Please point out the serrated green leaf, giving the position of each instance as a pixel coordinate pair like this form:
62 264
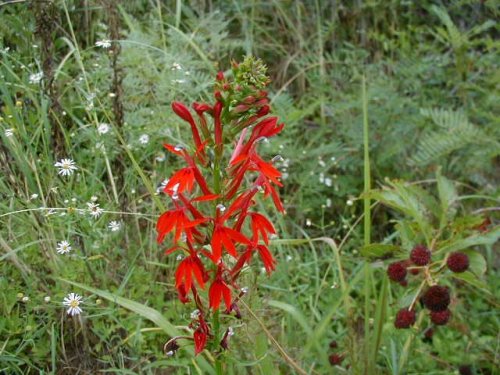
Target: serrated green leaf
379 250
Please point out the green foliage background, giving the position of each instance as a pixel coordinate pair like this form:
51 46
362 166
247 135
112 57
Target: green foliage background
432 78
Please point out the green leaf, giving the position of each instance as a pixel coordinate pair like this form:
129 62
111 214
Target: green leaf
447 196
473 280
379 250
487 238
477 263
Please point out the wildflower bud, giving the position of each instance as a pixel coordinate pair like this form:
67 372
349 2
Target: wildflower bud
220 76
396 271
241 108
249 99
436 298
226 86
263 111
405 318
458 262
182 111
218 95
225 339
171 347
333 344
201 107
440 318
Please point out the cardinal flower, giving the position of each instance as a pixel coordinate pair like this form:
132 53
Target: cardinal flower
218 291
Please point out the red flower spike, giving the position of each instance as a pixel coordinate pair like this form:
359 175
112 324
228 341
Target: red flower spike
183 112
218 291
182 180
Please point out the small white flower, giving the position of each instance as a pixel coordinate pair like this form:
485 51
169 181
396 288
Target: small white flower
66 167
160 157
105 43
114 226
176 66
308 222
322 178
230 331
33 196
25 299
244 290
179 257
94 210
144 139
321 163
112 95
46 299
349 202
63 247
73 302
288 258
103 128
328 202
195 314
9 132
328 182
36 78
178 81
93 198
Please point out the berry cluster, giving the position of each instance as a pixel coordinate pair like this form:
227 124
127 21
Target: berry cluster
213 219
335 359
436 298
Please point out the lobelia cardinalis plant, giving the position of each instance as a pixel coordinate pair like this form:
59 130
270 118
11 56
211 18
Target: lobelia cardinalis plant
213 216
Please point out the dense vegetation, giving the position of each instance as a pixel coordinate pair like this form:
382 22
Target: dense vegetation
392 139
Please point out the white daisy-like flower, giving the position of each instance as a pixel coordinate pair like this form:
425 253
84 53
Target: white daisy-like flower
25 299
160 157
114 226
63 247
144 139
9 132
73 301
94 210
349 202
105 43
66 167
103 128
328 182
46 299
36 78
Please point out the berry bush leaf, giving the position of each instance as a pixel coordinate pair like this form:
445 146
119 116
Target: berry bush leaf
477 263
379 250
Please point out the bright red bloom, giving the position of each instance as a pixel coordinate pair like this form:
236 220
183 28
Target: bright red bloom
218 291
200 335
225 237
187 268
260 224
178 220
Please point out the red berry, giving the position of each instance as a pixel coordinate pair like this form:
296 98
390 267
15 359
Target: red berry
420 255
396 271
429 332
458 262
405 318
333 344
437 298
440 318
414 271
335 359
465 370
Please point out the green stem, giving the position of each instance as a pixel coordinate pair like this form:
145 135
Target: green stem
367 225
216 327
